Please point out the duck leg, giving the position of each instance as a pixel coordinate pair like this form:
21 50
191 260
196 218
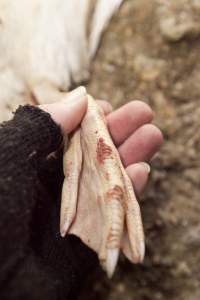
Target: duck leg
107 215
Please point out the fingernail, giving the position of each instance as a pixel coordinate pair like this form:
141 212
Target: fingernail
76 94
146 166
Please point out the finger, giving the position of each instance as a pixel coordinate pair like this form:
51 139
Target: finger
138 174
69 112
141 145
125 120
106 106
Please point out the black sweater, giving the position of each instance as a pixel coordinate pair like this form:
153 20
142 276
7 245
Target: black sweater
35 262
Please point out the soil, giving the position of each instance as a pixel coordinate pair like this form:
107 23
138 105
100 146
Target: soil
150 52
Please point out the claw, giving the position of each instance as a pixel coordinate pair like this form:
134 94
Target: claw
111 261
107 215
65 228
142 250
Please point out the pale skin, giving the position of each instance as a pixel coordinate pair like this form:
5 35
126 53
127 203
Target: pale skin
136 141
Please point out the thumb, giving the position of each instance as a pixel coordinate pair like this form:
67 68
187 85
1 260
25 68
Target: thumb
68 112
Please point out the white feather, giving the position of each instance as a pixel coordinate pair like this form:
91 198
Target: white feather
102 14
44 44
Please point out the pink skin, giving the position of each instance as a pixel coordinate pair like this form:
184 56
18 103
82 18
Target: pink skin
130 127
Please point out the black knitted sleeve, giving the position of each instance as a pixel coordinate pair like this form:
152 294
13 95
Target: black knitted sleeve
35 262
24 141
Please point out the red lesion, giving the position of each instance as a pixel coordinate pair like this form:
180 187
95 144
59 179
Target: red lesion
116 193
103 150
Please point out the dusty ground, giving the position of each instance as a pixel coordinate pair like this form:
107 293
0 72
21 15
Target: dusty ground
151 52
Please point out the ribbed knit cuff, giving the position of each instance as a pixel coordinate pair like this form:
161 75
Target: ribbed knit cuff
36 131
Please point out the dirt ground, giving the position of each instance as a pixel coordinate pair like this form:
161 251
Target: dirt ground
151 52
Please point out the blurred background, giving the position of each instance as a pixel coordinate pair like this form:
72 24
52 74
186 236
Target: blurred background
151 51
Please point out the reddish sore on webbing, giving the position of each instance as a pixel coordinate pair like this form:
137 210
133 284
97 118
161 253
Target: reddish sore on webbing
103 151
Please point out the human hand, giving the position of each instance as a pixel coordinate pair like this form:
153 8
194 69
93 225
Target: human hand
136 139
